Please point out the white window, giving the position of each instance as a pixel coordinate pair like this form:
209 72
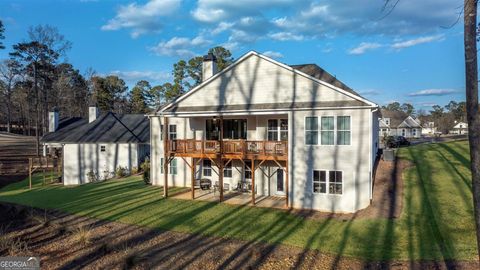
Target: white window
387 121
277 130
404 132
248 172
207 167
334 182
172 132
311 130
102 148
327 132
227 170
343 130
172 166
414 132
320 181
161 132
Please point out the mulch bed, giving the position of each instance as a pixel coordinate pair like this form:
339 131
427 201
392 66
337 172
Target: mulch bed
112 245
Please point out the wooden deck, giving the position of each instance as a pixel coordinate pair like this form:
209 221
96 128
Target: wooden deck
232 149
221 152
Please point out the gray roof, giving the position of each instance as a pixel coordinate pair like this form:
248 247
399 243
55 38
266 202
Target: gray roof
265 106
108 128
396 117
64 129
322 75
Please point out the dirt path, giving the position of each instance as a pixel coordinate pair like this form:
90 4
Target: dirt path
60 244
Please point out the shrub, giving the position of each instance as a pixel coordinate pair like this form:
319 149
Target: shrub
134 170
132 258
42 220
146 171
92 176
83 235
121 172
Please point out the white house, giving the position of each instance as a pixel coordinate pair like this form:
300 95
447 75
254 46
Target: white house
293 132
460 128
429 128
94 149
397 123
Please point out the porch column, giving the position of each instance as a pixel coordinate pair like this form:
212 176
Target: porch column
165 157
253 181
220 160
286 183
193 168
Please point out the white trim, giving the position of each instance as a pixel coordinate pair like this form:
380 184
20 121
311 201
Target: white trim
257 112
305 130
327 182
250 53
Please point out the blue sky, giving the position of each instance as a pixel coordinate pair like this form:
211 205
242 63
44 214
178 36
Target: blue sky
408 56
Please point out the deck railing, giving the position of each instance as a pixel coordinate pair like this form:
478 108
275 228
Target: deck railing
230 147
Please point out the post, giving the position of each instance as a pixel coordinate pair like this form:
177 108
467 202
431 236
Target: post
43 169
252 169
30 173
165 157
286 184
193 168
220 163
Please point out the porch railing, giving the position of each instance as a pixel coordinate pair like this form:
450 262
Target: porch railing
230 147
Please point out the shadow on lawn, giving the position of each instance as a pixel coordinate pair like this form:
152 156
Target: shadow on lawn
184 250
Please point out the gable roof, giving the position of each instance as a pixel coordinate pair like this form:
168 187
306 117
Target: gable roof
108 128
410 122
322 75
396 117
64 129
315 74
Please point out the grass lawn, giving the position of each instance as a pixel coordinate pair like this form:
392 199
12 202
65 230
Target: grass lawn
436 223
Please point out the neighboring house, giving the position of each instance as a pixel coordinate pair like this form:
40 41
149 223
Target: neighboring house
94 149
294 132
460 128
429 128
396 123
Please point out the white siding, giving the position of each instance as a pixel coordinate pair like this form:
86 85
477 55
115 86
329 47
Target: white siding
257 81
79 159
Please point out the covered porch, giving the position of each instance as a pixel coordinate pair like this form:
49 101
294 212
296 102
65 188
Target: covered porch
234 198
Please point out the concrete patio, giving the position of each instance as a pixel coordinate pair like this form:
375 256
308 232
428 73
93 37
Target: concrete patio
234 197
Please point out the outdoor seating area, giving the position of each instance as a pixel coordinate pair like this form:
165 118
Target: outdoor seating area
233 197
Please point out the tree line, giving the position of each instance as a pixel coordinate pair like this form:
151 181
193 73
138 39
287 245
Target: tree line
37 77
444 117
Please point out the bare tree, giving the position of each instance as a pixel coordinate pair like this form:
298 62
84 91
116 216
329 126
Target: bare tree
473 117
9 72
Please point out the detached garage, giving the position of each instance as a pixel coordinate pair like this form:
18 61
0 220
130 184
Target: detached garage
93 151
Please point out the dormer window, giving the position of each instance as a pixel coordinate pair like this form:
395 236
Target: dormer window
387 121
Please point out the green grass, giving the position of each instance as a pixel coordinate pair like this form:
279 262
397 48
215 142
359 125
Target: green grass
436 222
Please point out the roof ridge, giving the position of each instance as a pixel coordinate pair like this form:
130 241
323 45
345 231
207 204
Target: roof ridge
125 126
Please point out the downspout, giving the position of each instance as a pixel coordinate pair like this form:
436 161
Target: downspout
370 189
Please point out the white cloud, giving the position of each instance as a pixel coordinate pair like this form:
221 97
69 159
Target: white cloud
364 47
416 41
135 76
211 11
284 36
433 92
142 19
180 46
273 54
370 92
